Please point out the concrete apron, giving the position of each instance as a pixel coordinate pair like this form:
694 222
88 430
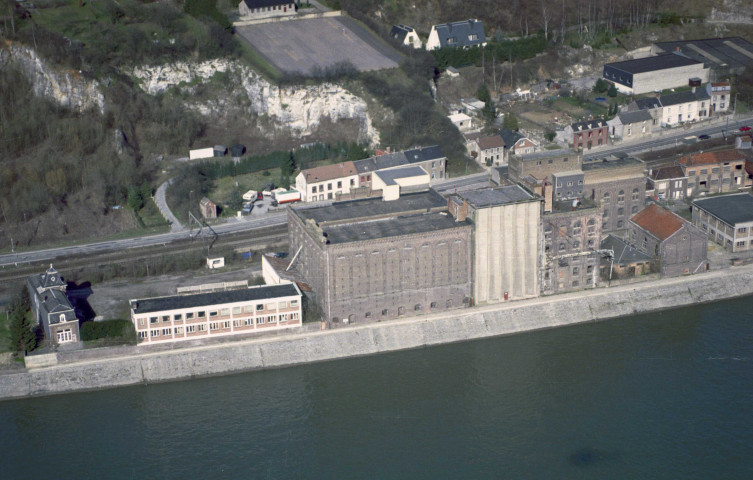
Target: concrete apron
307 347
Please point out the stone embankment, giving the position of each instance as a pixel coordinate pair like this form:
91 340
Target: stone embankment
148 366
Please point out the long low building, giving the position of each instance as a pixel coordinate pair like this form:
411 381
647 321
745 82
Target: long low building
727 220
654 74
229 312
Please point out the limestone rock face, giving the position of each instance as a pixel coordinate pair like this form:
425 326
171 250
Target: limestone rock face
297 109
66 87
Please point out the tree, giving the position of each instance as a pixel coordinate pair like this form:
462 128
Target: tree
483 93
612 92
510 122
601 86
135 200
236 198
489 112
22 337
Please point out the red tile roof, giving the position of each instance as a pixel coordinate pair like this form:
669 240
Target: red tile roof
707 158
658 221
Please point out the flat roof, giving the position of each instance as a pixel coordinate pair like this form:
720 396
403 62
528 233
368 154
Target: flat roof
651 64
562 152
391 227
616 163
389 177
731 209
372 207
174 302
489 197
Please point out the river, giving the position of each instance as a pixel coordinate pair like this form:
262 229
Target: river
666 395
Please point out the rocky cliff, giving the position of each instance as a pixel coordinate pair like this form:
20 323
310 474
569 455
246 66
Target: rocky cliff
297 109
68 88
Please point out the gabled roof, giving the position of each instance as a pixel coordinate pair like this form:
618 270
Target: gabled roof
329 172
398 159
266 3
589 124
683 97
510 137
667 173
634 117
492 141
460 32
658 221
648 103
624 253
709 158
399 32
731 209
651 64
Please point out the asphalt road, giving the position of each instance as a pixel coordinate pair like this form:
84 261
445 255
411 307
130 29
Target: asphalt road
445 186
674 137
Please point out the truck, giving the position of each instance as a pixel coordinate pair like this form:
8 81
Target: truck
252 196
286 196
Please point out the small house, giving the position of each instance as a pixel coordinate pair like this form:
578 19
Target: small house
468 33
406 36
252 9
208 208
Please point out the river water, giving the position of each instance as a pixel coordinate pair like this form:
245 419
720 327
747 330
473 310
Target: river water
667 395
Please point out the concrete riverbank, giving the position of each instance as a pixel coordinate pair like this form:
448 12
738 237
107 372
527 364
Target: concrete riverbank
143 366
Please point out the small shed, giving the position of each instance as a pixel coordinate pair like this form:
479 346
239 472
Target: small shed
200 153
208 208
216 262
237 150
220 150
452 72
743 142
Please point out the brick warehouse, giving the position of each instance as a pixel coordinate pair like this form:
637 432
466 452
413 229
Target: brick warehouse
371 259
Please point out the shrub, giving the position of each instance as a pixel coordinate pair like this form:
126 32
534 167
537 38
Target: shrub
122 329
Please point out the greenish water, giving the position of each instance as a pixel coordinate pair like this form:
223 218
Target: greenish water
657 396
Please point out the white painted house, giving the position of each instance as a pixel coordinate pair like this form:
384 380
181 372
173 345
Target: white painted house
406 36
468 33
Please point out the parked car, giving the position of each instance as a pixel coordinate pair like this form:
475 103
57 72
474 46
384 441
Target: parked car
703 137
744 128
247 209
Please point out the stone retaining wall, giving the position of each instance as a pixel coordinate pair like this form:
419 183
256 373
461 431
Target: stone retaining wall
480 322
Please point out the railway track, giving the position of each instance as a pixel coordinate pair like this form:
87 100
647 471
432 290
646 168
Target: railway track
251 240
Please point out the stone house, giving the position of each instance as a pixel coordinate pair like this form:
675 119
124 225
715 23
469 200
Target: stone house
679 246
619 185
719 171
369 259
652 106
588 134
726 219
668 183
252 9
637 125
491 150
51 308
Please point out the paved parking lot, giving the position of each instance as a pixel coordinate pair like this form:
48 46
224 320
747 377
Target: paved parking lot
298 46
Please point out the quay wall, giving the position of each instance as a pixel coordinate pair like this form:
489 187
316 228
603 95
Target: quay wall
144 366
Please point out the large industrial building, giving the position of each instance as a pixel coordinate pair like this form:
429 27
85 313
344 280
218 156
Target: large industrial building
619 185
725 56
654 74
372 259
506 226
